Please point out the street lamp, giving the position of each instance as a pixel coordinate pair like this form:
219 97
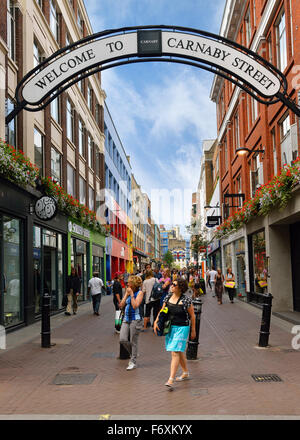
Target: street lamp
241 151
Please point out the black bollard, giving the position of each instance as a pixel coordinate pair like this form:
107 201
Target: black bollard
46 331
265 321
192 348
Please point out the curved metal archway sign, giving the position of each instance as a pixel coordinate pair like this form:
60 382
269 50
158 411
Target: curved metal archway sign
151 43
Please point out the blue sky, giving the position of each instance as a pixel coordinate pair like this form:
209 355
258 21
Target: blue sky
162 111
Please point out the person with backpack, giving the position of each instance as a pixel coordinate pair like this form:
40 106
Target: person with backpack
150 302
166 282
181 314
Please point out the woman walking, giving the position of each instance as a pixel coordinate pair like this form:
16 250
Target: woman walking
150 303
117 292
219 286
166 281
181 311
132 323
73 291
230 284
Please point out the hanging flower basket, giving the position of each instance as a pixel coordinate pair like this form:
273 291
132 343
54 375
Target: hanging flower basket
274 194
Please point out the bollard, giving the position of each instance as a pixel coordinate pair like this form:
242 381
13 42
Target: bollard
265 321
46 332
192 348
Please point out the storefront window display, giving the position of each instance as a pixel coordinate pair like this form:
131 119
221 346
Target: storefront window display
239 249
12 271
260 271
98 260
228 257
79 252
48 273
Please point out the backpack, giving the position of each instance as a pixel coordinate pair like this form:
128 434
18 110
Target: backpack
156 291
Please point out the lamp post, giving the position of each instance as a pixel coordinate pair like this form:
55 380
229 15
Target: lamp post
241 151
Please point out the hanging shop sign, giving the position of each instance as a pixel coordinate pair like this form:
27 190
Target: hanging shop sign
213 220
45 208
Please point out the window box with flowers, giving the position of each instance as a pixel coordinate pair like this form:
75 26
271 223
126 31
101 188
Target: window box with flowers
18 169
274 194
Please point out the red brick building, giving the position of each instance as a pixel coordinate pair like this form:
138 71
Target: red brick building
271 29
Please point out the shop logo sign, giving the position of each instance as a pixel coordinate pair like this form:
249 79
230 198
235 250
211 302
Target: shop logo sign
45 208
2 338
77 229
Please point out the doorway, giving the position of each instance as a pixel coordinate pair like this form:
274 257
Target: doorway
295 256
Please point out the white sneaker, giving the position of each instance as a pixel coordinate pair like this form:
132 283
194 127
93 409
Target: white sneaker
131 366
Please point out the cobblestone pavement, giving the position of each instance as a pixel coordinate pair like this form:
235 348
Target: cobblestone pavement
81 375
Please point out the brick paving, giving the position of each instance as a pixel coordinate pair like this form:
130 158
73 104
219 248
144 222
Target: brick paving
87 348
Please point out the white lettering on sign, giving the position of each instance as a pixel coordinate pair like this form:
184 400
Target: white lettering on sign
77 61
77 229
98 52
236 62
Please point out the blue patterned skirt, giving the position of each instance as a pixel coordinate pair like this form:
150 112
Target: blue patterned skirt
177 338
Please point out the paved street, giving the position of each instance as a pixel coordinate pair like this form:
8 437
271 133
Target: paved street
86 345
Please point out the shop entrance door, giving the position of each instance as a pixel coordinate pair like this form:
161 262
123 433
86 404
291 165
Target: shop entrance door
295 255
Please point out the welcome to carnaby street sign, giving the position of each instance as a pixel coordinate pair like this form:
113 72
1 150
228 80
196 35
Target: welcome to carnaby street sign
127 45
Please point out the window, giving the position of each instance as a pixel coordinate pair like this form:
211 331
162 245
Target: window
97 160
225 154
90 152
82 191
80 22
54 21
255 174
81 138
254 109
236 130
70 180
54 109
285 126
90 98
11 29
91 199
39 150
281 48
270 52
70 121
98 115
37 54
56 165
248 27
238 190
254 13
274 150
11 128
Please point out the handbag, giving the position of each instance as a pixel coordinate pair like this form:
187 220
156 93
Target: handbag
230 284
163 323
118 319
64 302
262 284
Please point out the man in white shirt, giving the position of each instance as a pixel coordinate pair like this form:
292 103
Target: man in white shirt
95 286
212 278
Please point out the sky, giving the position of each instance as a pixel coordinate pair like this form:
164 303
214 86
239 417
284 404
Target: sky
161 111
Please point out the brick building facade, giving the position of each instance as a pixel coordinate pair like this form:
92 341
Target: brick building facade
271 29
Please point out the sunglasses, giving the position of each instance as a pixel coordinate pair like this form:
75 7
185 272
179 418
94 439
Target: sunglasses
174 284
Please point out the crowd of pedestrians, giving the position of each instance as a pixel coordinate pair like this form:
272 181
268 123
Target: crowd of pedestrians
143 299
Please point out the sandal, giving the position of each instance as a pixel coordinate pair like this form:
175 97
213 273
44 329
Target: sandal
184 376
170 382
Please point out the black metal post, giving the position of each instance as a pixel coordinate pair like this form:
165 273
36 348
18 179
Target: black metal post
46 331
192 348
265 321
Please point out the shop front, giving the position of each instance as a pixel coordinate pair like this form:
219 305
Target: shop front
258 262
32 257
214 255
86 254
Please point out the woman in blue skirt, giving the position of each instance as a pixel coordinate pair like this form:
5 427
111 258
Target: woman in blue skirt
181 313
